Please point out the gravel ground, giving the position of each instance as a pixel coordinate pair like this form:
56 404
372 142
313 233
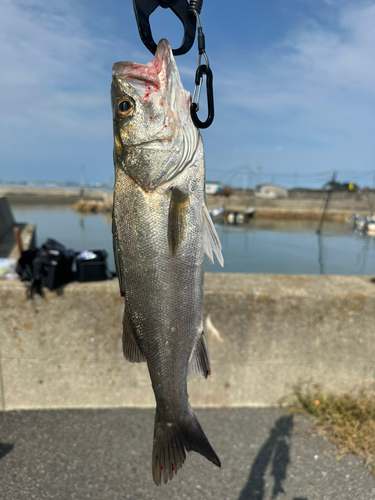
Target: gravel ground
106 454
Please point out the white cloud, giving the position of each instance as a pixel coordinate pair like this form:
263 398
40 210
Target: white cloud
52 65
312 61
309 99
54 85
41 47
342 58
313 95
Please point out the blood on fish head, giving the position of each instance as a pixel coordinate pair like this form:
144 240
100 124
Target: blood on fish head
156 76
151 115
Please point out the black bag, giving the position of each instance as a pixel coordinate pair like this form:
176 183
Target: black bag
51 265
29 269
94 268
58 264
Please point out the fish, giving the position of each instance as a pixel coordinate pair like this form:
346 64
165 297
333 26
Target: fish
161 230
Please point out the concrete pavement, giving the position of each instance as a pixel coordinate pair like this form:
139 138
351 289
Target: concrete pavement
106 455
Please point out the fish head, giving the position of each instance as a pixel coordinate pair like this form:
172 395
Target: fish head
154 136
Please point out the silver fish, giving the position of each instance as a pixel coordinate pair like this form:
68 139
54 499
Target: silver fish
161 230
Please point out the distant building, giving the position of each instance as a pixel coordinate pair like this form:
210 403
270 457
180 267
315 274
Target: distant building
213 187
270 191
340 186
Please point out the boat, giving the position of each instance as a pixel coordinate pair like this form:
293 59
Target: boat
217 214
364 224
238 216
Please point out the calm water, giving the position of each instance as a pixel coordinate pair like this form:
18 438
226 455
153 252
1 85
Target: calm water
262 246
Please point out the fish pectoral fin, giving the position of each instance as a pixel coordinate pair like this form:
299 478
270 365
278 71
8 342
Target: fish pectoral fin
116 256
130 346
199 362
211 240
177 219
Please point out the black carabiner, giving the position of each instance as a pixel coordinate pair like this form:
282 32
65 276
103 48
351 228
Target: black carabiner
144 8
194 106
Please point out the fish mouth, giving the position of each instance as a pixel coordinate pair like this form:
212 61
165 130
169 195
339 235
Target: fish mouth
147 78
154 144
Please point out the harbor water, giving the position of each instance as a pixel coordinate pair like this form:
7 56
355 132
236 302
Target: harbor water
260 246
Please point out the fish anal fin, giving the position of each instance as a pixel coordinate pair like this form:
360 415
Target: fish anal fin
130 346
211 240
199 362
177 219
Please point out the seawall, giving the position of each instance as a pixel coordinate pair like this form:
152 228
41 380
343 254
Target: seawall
32 195
265 334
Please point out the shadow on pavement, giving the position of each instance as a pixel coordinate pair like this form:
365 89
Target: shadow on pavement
5 448
274 452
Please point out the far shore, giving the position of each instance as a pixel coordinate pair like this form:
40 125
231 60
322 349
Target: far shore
56 196
303 204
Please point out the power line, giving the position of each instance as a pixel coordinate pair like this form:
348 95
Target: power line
312 175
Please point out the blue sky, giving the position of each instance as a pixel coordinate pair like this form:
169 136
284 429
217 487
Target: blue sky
294 84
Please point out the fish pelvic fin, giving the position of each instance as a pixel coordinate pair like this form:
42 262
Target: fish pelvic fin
171 439
130 346
211 240
199 362
177 220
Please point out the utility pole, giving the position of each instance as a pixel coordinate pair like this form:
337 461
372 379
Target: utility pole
295 179
82 181
328 197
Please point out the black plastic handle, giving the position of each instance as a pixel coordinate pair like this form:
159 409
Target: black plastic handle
144 8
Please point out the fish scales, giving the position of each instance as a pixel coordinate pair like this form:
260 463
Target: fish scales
165 310
161 230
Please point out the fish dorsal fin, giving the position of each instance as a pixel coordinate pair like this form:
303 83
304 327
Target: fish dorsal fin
211 240
177 219
130 346
199 362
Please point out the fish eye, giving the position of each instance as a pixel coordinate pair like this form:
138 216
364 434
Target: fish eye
124 108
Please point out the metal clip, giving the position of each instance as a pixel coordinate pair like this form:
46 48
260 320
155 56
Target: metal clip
204 69
144 8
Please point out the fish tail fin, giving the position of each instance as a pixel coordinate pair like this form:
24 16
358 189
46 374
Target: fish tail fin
171 439
168 452
196 440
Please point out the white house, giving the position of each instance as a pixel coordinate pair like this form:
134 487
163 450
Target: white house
213 187
270 191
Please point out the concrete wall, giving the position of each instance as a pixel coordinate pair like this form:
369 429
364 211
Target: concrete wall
6 217
339 201
8 246
265 333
